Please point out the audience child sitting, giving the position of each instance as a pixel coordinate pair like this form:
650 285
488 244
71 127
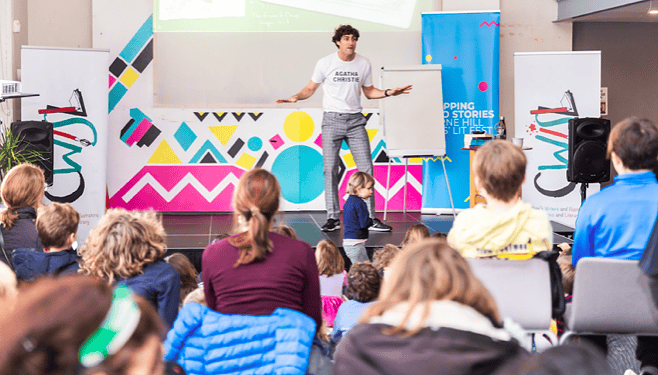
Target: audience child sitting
57 226
568 272
617 221
414 234
7 289
22 191
433 316
128 247
505 226
439 236
363 286
257 271
188 275
331 267
356 216
79 325
285 231
197 295
383 257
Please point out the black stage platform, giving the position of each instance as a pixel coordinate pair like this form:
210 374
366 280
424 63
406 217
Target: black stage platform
191 233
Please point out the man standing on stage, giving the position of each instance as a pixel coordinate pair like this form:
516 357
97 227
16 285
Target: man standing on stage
343 74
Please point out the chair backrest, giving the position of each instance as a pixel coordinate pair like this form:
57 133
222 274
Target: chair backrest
611 296
521 288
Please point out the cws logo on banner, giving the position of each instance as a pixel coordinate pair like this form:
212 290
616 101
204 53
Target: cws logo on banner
550 88
467 47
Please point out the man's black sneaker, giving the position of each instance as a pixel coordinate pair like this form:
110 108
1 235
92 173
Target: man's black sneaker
331 225
378 226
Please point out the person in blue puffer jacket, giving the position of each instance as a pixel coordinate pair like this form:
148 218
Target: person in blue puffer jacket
57 227
204 341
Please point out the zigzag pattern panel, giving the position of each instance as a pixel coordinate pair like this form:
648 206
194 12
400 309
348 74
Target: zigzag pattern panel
179 188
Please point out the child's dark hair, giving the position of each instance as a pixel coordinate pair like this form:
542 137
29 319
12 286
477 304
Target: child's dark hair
285 230
187 272
55 223
344 30
363 282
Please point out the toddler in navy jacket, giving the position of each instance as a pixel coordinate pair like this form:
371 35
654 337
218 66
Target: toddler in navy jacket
356 216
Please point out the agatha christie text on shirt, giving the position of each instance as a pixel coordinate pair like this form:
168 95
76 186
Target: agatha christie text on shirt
340 76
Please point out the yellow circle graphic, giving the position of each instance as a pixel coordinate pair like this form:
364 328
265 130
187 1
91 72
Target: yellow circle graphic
299 126
428 58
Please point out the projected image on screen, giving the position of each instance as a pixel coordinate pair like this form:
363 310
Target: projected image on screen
388 12
288 15
199 9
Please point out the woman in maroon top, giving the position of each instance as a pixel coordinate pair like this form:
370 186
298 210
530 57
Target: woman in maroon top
256 271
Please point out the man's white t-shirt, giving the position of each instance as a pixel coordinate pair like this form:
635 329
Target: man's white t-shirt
342 81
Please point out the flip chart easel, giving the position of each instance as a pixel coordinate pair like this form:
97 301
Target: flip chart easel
413 124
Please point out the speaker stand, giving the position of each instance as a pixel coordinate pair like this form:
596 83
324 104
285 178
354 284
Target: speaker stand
583 192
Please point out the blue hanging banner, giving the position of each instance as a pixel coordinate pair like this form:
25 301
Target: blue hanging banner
467 47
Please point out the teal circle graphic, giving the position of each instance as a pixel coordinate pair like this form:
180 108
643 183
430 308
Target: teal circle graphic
255 144
300 175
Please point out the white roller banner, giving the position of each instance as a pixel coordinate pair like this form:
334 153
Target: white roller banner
549 89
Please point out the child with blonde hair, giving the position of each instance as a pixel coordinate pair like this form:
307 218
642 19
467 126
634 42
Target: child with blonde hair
505 226
414 234
285 230
356 216
57 226
383 257
331 267
128 247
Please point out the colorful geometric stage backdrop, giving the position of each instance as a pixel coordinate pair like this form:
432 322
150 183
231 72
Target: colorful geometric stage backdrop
189 160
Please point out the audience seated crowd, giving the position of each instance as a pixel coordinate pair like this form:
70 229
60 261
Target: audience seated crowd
105 308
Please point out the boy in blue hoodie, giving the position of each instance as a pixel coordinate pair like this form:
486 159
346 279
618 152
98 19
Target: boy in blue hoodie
57 226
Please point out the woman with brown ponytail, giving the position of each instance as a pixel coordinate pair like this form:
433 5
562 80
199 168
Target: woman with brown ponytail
257 271
22 192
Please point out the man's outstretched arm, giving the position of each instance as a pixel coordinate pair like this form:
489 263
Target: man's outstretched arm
306 93
372 93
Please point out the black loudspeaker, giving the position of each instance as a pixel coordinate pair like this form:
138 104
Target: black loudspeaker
38 136
588 141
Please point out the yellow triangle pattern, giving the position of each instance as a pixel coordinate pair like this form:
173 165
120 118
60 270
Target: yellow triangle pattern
223 133
372 133
256 113
349 160
164 155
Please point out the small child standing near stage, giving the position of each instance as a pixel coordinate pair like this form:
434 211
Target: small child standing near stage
333 278
504 227
356 217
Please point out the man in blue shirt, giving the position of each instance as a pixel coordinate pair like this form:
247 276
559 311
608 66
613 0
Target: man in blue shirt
617 222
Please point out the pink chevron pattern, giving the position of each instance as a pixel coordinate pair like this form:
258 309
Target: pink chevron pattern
489 24
396 198
189 199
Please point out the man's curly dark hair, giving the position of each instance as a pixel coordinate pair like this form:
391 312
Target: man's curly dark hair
344 30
